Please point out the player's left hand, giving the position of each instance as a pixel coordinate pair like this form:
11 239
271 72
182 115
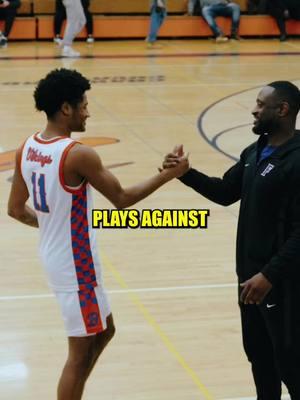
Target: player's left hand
255 289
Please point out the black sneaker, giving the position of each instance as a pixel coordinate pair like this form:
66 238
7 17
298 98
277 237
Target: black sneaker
235 36
283 38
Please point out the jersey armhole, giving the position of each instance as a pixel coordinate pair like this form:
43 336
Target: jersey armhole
69 189
19 158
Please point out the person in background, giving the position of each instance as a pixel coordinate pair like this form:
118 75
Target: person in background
8 11
256 7
158 13
193 7
75 22
60 16
221 8
282 10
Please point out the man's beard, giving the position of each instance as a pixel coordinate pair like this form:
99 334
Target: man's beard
265 127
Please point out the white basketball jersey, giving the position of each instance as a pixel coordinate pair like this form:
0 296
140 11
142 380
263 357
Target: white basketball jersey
68 246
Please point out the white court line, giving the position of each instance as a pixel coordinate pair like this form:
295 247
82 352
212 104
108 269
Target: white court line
121 291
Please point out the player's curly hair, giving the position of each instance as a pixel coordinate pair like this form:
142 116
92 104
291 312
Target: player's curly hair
60 86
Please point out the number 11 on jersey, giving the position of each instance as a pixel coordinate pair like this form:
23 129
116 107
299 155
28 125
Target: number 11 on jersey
39 194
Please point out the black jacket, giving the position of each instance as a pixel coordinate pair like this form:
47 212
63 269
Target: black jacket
268 237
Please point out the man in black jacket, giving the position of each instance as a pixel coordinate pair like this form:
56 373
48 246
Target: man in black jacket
8 11
267 181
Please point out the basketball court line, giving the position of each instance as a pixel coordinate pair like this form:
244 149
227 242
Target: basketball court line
127 290
152 55
137 85
284 397
165 65
158 330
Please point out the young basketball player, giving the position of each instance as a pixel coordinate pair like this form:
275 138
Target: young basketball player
57 173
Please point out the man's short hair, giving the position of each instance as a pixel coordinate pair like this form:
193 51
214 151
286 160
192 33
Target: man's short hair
60 86
287 91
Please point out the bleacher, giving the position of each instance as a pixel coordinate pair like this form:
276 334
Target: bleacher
130 19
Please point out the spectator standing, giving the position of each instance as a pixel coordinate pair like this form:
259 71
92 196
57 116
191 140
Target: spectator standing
158 13
60 16
8 11
282 10
75 22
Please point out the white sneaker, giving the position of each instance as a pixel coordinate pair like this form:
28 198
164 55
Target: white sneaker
57 40
221 39
90 39
67 51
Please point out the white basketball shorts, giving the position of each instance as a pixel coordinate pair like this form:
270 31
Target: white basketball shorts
84 312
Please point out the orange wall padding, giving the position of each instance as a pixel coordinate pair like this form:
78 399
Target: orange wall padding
174 26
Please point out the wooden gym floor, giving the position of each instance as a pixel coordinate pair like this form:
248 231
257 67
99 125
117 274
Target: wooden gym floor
173 292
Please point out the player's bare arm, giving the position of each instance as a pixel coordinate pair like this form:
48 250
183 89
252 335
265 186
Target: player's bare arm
17 207
86 164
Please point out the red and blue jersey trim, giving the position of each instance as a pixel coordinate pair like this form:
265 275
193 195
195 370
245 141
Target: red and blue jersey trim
82 253
90 311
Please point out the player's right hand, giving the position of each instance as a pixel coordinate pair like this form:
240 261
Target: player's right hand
176 163
172 159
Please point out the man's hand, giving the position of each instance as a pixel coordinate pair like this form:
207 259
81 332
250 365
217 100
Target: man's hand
255 289
172 159
180 167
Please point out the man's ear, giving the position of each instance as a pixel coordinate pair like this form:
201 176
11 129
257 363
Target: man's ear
66 109
284 109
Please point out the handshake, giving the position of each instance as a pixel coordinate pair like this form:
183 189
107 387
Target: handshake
175 164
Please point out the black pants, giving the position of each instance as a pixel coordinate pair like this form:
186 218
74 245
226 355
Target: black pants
8 14
60 16
271 339
276 10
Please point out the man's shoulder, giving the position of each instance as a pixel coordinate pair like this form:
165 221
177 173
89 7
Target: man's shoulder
250 149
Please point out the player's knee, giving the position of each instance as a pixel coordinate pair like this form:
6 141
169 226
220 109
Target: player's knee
82 363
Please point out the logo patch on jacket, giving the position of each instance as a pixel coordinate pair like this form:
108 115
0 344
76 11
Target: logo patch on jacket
268 169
